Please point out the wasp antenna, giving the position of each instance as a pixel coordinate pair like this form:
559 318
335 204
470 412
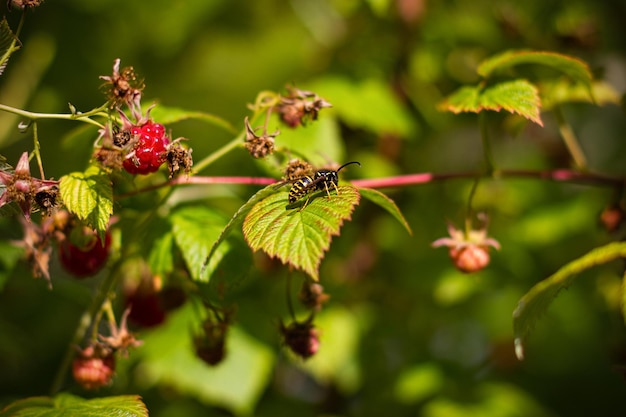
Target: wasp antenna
348 163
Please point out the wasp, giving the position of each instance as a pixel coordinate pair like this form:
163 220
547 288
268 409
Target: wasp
322 180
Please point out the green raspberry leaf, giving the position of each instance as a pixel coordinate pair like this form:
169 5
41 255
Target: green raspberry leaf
574 68
194 229
89 195
295 235
518 96
387 203
70 405
536 301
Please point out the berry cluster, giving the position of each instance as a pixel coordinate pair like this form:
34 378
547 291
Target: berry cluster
150 150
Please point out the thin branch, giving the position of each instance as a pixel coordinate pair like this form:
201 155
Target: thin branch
35 116
558 175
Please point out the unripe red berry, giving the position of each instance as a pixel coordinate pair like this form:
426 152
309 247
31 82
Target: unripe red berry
302 339
145 308
470 258
93 367
85 261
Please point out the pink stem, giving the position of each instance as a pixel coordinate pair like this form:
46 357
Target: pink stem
559 175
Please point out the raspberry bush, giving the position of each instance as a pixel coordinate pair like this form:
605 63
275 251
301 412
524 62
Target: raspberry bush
258 227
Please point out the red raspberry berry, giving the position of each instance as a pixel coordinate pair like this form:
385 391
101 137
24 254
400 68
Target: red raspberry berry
93 367
302 338
85 261
145 308
150 150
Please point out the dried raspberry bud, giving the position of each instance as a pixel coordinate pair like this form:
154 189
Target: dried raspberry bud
312 295
468 251
301 338
612 217
23 189
149 151
178 158
300 106
210 342
94 367
259 146
122 87
37 249
121 339
297 169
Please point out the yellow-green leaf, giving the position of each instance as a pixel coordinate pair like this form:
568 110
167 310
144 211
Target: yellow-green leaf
575 68
517 96
89 195
295 235
70 405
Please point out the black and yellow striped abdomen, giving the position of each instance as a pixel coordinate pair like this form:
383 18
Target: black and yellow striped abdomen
300 188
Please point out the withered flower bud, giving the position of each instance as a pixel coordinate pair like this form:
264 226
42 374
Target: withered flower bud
299 106
297 169
259 146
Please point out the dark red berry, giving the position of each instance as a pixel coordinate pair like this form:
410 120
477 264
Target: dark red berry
210 342
302 338
93 367
85 261
145 309
150 151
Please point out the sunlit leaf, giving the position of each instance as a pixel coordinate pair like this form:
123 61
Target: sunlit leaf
169 115
518 96
536 301
195 230
65 405
89 195
161 258
295 235
167 358
387 203
575 68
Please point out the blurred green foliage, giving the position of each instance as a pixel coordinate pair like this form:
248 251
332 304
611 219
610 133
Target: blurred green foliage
404 333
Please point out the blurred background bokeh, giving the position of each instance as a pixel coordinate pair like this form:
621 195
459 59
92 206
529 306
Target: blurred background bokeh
404 334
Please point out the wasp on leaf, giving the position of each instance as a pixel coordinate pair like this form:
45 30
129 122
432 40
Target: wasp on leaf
322 180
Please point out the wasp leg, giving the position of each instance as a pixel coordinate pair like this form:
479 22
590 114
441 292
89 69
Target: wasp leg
327 191
305 203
